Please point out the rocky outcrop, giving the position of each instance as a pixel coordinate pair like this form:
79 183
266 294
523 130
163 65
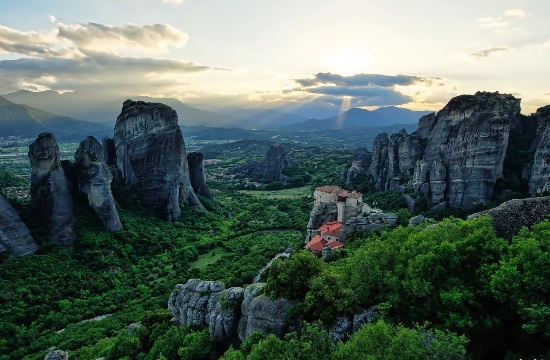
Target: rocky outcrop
348 325
539 180
230 314
94 179
151 156
376 219
456 155
321 213
15 237
56 355
50 195
198 176
269 170
358 165
509 217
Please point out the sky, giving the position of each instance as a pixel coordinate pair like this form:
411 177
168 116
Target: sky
312 55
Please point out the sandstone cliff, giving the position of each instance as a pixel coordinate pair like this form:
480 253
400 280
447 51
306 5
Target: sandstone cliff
231 315
269 170
540 172
50 195
198 176
15 237
509 217
94 179
457 154
151 156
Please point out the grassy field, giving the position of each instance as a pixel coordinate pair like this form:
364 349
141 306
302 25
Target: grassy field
209 258
293 193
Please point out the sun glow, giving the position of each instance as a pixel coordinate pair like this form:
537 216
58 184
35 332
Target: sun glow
347 61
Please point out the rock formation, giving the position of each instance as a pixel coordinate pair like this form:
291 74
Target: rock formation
509 217
358 165
151 156
395 159
269 170
375 219
15 237
50 195
94 179
347 325
198 176
56 355
456 155
230 314
540 172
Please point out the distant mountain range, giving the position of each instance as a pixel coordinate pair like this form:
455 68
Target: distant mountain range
23 120
356 117
95 108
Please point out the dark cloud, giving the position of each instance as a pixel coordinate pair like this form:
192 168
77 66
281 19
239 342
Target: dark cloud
486 52
361 80
363 89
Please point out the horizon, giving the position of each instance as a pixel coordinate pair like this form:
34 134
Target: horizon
312 58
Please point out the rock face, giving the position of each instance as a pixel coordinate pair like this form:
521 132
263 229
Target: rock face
358 165
347 325
376 219
50 195
151 156
15 237
230 314
197 175
395 159
509 217
540 172
270 169
94 179
456 155
56 355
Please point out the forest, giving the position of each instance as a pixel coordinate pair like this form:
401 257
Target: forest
448 290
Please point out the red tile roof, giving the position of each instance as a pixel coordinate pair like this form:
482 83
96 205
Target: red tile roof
329 189
338 191
316 244
335 244
331 228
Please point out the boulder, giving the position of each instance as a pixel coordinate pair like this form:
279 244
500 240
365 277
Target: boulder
94 180
266 316
50 195
56 355
15 237
224 319
417 220
509 217
151 157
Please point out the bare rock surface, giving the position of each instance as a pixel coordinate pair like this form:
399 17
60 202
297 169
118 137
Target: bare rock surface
539 180
358 165
56 355
151 156
94 179
509 217
15 237
198 176
270 169
456 155
50 195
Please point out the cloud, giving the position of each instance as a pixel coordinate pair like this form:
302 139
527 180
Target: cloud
515 13
177 2
488 51
501 23
363 89
102 37
360 80
76 57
